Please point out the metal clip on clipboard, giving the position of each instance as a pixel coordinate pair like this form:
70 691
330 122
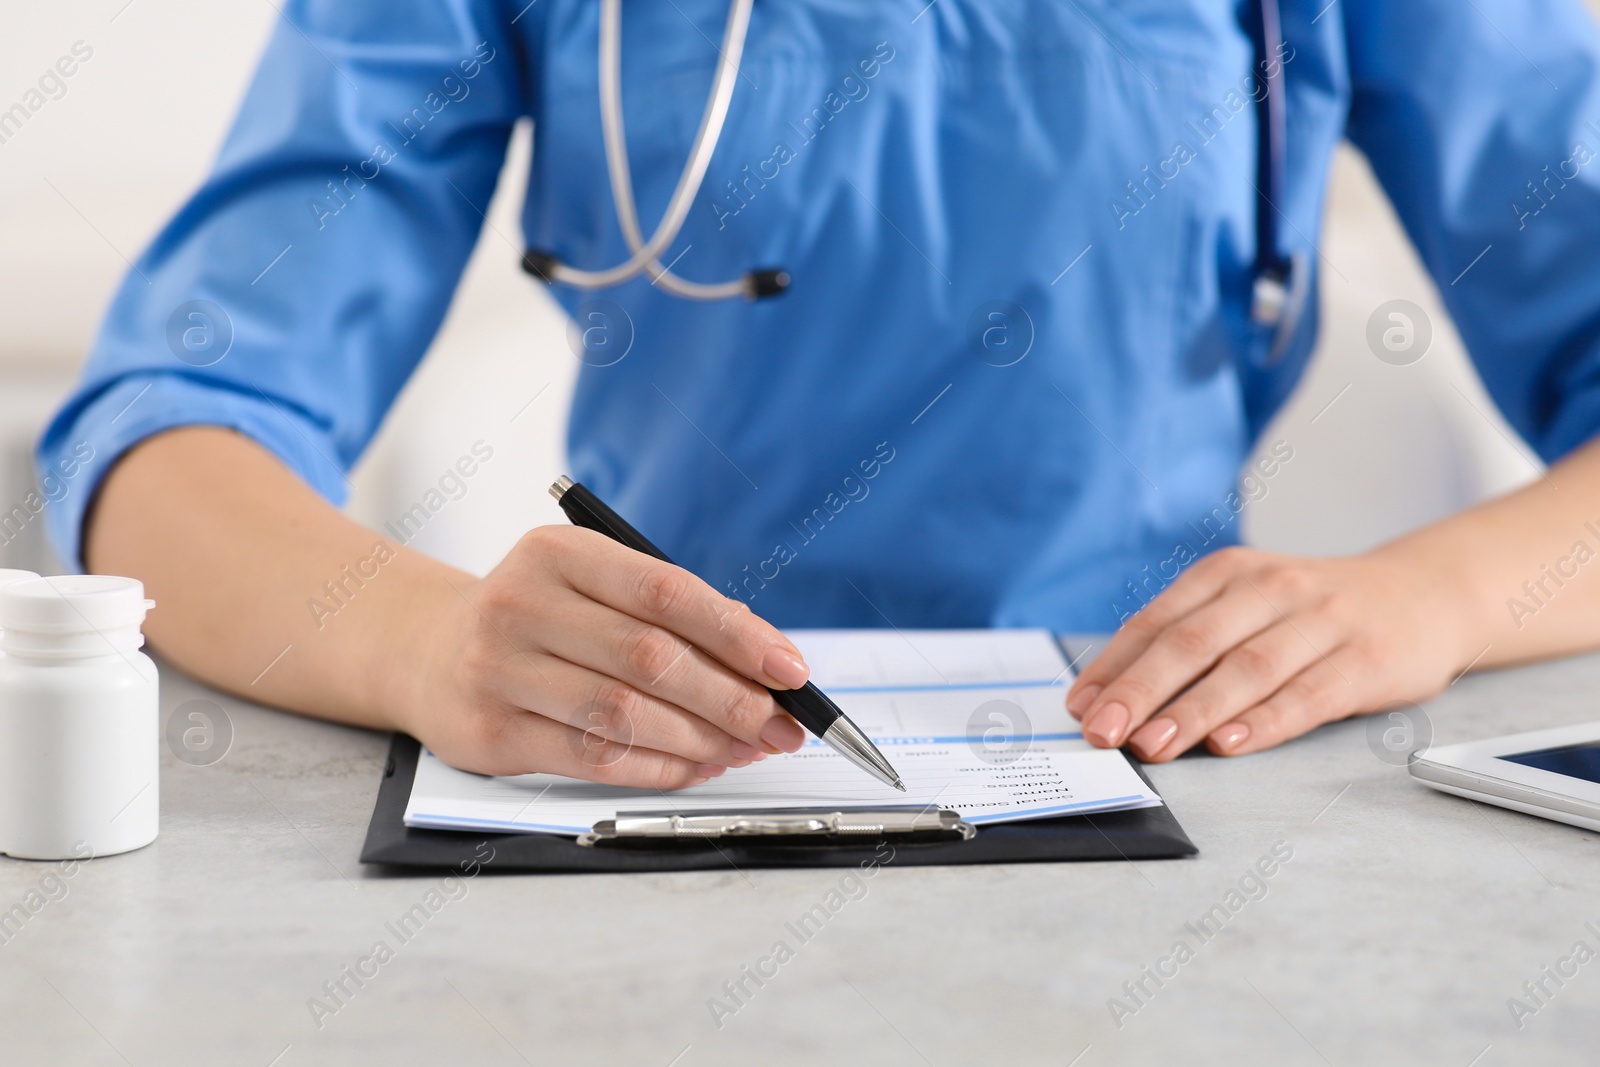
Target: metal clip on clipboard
689 827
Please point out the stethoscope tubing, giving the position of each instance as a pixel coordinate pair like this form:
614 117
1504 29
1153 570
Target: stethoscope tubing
647 254
1281 282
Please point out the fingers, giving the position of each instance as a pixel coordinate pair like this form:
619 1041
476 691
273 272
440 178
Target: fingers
585 658
1197 585
1326 690
671 598
524 743
1246 675
1177 656
658 662
606 708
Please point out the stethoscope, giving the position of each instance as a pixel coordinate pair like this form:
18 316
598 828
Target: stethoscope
754 284
1281 283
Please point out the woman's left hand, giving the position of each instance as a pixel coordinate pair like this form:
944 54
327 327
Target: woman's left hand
1247 649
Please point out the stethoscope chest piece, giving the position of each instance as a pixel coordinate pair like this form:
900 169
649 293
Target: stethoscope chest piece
1278 298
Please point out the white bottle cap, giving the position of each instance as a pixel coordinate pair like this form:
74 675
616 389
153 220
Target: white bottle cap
37 613
7 577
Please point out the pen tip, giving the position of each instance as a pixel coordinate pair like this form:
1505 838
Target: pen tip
898 784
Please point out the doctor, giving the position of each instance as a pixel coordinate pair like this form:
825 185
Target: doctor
951 314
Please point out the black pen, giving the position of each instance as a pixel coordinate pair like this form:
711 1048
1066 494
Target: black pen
808 704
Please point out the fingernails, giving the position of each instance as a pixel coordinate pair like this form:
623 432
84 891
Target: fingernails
1079 700
740 750
1153 736
1230 736
785 667
697 781
1107 726
710 770
783 734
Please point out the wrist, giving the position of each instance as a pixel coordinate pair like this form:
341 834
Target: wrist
1439 570
410 670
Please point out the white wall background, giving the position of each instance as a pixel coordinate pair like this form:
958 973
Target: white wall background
89 179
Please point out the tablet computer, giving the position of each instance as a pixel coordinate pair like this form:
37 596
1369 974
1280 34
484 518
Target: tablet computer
1551 773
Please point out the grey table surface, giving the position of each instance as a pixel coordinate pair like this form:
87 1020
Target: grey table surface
1397 932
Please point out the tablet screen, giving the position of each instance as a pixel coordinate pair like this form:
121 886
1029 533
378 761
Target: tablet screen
1574 761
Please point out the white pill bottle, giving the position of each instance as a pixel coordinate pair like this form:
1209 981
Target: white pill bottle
79 719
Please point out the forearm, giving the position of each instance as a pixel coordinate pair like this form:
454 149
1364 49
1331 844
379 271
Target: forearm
1524 568
263 588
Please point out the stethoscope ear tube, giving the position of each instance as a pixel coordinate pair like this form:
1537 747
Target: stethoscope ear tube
754 285
758 284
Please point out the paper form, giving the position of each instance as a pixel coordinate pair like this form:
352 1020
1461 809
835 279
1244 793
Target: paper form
974 721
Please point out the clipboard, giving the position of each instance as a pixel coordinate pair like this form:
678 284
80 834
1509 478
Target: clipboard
719 840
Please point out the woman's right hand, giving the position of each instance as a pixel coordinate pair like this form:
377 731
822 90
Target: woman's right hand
580 657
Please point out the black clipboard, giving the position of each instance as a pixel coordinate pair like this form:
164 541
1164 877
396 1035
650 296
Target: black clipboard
1141 834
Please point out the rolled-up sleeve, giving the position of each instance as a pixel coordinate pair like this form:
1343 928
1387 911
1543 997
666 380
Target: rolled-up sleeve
1482 121
296 291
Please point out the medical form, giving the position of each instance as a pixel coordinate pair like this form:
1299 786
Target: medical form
974 720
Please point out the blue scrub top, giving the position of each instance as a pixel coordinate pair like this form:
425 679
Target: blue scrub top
1016 375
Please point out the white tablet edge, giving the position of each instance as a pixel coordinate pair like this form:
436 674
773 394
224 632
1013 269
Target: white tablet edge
1589 821
1477 766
